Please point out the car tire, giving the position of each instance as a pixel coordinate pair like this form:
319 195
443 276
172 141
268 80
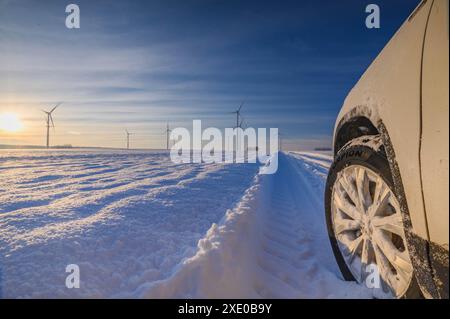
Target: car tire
365 154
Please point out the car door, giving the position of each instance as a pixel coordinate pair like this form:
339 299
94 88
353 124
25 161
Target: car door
435 137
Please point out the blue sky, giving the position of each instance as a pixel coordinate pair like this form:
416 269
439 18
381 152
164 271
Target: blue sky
138 64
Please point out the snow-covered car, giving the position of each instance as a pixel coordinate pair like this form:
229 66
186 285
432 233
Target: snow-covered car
387 192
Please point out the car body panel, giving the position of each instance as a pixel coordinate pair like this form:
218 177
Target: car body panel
435 133
404 96
389 92
435 141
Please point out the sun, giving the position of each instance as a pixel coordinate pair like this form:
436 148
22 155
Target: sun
10 122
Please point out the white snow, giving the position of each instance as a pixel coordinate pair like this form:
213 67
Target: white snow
124 218
140 226
272 245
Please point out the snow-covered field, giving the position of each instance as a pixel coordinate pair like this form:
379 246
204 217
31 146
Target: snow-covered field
138 225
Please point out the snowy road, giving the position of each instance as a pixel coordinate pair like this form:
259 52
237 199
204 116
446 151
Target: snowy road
140 226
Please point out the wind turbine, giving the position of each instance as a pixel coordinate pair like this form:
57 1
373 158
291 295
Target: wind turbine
168 130
238 123
238 114
128 138
50 120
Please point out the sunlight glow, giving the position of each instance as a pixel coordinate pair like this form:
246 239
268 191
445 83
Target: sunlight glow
10 122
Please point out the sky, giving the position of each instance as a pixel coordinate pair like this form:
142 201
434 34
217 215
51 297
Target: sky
138 64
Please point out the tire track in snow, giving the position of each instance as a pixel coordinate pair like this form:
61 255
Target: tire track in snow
293 201
299 262
274 244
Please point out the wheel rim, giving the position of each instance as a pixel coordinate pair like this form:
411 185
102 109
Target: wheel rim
368 226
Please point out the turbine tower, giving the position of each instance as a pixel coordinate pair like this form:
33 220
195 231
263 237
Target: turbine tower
280 141
168 130
128 138
243 124
49 121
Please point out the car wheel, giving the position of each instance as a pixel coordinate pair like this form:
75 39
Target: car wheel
365 223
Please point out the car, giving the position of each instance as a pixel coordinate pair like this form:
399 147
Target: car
387 192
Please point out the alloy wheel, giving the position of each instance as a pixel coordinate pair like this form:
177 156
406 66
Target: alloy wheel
368 226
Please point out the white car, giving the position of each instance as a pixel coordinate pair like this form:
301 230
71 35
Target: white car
387 191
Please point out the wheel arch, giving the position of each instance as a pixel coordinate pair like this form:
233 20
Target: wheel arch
353 128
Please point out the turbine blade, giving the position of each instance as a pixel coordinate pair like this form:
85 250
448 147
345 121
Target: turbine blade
240 107
54 108
51 119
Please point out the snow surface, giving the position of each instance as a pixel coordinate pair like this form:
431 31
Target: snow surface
140 226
